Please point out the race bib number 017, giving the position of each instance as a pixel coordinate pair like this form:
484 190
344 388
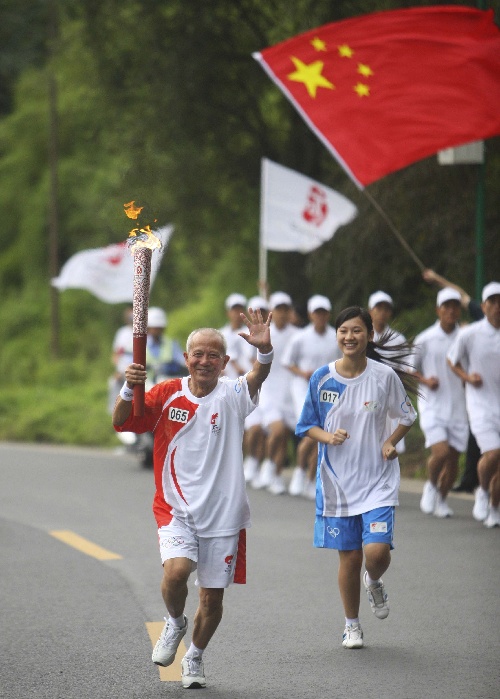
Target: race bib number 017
178 415
328 396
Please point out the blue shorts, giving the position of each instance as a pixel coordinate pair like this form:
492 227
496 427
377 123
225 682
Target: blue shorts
352 533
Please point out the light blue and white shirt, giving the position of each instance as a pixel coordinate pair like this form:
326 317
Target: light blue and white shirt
354 478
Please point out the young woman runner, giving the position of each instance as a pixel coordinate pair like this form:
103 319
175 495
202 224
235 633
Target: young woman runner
348 411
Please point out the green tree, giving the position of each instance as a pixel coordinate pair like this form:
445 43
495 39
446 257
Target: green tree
161 101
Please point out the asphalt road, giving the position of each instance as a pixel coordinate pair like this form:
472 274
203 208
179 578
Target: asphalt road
74 623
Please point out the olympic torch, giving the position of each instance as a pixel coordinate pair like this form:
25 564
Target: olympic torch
141 242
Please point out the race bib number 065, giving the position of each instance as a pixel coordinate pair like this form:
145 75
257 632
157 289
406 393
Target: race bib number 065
178 415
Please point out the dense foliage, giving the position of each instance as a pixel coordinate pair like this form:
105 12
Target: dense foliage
161 101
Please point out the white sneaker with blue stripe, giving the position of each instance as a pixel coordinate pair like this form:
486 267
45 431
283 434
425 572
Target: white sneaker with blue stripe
377 596
353 636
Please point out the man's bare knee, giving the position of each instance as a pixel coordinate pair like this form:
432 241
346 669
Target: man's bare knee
176 571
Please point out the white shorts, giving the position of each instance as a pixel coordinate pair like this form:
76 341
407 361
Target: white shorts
219 561
456 434
280 413
487 436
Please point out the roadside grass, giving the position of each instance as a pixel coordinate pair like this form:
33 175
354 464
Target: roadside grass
62 402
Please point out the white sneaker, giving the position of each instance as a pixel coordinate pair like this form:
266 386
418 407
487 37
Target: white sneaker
377 596
493 519
250 468
353 636
265 476
166 646
429 498
297 482
442 509
192 673
481 505
309 491
278 486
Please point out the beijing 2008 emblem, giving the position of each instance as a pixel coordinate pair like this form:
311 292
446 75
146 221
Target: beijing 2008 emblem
140 271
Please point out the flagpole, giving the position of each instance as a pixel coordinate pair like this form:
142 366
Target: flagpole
393 228
53 149
262 270
262 250
480 190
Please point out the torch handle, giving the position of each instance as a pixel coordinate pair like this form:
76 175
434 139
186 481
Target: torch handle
142 275
139 349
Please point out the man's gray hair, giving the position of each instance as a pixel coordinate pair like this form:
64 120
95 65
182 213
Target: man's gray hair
208 331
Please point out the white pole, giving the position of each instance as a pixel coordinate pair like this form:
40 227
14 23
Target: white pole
262 249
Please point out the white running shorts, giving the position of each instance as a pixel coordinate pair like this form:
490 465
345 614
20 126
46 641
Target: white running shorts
487 435
219 561
435 431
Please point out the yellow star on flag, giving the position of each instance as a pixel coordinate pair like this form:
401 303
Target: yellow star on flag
310 75
365 70
362 90
318 44
345 51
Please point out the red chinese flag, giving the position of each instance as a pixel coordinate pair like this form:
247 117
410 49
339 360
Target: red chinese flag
386 89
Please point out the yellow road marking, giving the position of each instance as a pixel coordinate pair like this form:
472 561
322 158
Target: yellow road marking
154 628
172 673
84 545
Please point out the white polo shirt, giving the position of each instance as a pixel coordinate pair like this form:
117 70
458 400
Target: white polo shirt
308 350
477 349
275 391
238 350
446 404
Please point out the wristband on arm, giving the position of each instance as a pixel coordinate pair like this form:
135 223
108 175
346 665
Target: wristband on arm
126 393
265 358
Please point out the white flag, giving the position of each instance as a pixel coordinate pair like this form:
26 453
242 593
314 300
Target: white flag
298 213
108 273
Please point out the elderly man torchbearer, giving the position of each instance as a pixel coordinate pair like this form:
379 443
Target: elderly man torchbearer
201 506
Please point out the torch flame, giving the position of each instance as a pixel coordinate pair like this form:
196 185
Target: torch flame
132 211
143 238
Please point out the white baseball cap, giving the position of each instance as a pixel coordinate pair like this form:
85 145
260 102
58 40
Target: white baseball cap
258 302
379 297
279 298
317 302
236 300
157 318
447 294
491 289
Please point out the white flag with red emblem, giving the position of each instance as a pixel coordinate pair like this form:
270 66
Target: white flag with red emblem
108 273
298 213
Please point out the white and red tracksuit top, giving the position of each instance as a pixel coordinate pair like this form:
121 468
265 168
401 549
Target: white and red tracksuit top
198 460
